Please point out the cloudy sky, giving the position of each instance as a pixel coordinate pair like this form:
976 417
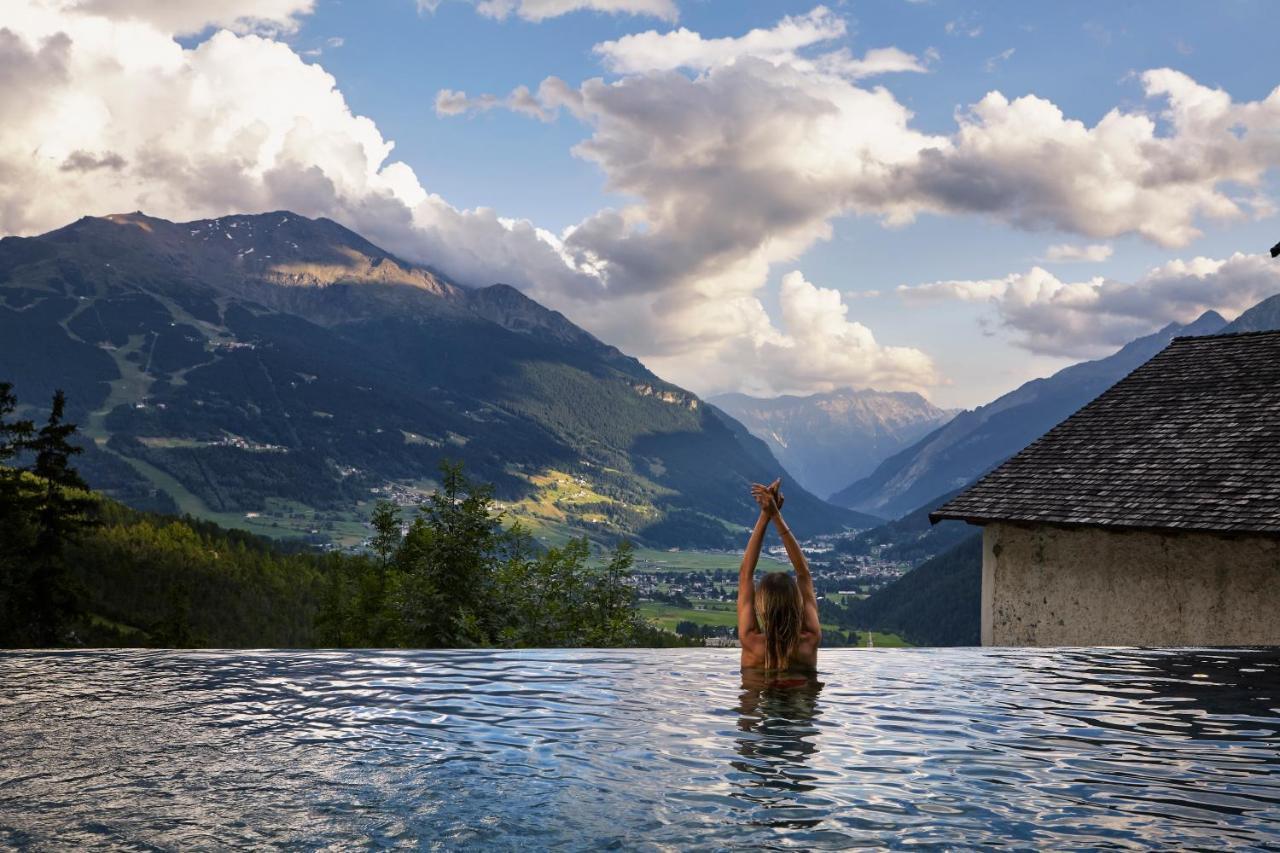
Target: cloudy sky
771 197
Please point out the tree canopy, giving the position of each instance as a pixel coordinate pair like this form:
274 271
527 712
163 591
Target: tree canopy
79 569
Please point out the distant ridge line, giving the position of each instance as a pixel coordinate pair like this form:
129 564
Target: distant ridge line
1226 335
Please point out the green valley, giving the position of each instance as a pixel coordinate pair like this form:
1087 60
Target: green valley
280 375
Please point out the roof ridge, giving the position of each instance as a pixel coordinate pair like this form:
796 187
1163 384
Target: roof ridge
1255 333
1186 440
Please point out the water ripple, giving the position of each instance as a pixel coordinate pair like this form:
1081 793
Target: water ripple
662 749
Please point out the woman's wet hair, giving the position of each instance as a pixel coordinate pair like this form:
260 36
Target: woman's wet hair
779 612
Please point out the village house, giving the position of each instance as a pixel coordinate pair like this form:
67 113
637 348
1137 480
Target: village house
1150 517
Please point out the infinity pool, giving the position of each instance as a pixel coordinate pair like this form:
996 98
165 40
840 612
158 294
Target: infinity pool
663 749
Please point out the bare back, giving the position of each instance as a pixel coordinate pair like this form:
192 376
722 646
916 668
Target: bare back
803 659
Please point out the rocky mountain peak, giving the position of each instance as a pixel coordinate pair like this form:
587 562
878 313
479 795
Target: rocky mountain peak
824 437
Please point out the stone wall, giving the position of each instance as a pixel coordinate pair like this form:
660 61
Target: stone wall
1085 586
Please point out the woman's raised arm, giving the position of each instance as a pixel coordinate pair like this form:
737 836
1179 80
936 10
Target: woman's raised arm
746 579
804 580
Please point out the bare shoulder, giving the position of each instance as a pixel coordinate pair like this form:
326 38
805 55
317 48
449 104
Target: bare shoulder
752 649
807 649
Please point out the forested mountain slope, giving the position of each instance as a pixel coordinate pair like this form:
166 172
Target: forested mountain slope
935 604
273 367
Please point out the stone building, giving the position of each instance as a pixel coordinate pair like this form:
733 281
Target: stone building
1149 517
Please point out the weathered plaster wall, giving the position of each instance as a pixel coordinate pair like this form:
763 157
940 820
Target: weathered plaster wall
1047 586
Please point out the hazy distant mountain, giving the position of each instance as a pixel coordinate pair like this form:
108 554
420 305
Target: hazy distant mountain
1262 317
975 441
276 365
828 440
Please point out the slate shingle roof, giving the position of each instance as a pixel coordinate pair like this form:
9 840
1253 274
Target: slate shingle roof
1190 441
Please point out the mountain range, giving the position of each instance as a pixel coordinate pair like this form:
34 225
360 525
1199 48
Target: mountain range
829 440
937 603
282 372
975 441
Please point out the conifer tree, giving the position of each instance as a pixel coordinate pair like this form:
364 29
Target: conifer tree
15 529
60 511
14 435
386 531
449 558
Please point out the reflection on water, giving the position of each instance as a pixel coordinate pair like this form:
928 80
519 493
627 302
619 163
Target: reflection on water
661 749
779 734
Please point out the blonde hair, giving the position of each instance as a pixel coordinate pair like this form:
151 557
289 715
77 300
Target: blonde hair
779 612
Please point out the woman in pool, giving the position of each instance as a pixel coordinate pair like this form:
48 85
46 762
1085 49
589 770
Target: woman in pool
778 624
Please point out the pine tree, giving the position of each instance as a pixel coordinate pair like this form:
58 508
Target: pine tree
14 436
386 531
449 559
60 509
12 433
15 532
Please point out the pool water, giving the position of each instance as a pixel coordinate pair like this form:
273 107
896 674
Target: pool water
639 749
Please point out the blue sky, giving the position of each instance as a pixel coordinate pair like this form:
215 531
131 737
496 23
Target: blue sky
1082 56
770 256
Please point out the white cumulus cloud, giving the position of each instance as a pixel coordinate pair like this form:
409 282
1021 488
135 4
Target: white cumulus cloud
718 339
1023 162
653 51
1086 318
108 112
732 156
737 154
821 349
